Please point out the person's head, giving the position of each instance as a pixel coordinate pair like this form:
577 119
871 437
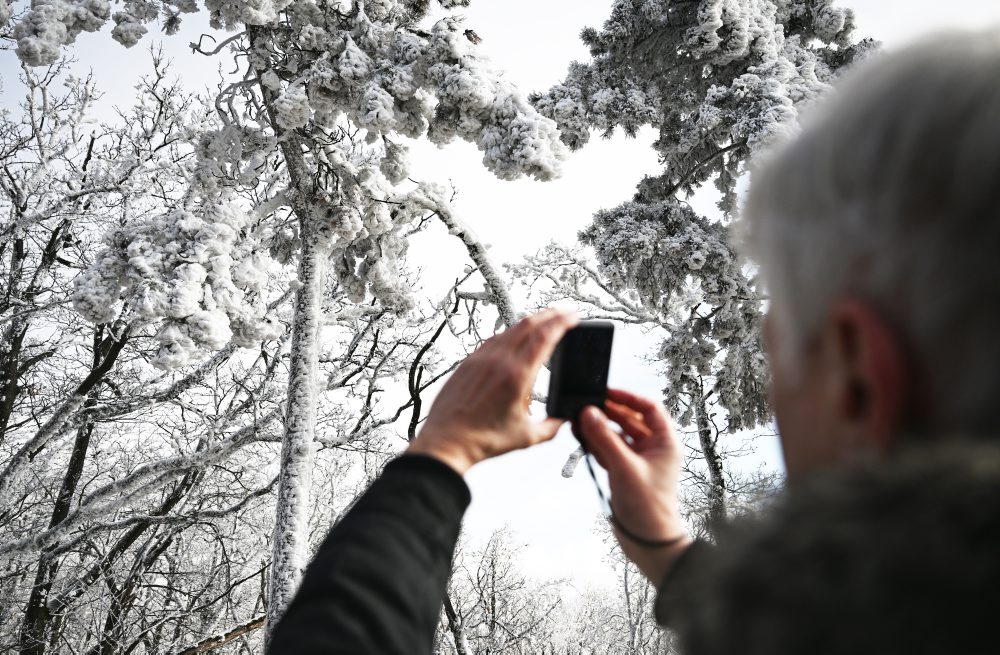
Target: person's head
877 231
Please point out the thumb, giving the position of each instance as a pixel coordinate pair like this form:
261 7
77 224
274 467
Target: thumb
606 444
545 429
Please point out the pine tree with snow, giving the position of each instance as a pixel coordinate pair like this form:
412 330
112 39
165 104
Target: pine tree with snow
719 80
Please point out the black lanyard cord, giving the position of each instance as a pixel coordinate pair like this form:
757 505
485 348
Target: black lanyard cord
642 541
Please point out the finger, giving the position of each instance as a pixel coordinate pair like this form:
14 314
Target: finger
652 413
508 339
631 421
537 346
517 333
545 429
505 344
578 433
486 345
513 335
606 444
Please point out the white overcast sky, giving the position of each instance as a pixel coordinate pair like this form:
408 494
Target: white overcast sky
533 41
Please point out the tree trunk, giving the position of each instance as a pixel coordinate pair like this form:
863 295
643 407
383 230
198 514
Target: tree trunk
10 358
290 540
455 626
13 337
713 462
291 534
36 615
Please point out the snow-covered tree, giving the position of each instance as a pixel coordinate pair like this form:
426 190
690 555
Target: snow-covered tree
612 620
67 179
493 607
312 79
719 80
137 455
714 394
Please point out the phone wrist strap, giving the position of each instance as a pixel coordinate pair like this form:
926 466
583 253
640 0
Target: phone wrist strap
642 541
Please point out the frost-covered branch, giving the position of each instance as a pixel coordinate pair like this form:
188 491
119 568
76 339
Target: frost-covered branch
145 480
62 416
432 198
213 643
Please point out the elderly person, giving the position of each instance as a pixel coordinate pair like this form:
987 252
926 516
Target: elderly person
878 233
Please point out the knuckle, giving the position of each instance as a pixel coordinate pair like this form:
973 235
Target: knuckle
537 340
553 328
529 322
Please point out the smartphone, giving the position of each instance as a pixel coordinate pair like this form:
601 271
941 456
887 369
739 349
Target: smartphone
578 370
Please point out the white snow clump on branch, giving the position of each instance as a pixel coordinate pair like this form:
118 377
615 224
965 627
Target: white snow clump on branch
188 269
50 24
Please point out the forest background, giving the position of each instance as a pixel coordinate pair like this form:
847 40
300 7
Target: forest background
558 566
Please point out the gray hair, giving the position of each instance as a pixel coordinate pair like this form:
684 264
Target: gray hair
891 194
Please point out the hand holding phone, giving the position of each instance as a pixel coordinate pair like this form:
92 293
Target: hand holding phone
578 370
482 410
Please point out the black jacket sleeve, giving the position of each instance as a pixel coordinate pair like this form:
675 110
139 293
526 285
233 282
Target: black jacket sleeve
681 585
378 581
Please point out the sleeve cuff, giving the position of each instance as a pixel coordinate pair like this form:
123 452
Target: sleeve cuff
431 467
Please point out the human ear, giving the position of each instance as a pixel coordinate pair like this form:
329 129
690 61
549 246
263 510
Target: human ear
876 372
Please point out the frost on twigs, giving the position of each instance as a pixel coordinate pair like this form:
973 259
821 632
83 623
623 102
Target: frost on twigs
364 62
292 108
50 24
718 79
684 271
187 271
306 167
388 80
569 468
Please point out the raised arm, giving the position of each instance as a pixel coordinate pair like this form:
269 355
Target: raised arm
378 581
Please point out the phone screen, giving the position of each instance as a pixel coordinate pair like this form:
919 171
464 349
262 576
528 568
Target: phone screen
586 354
578 373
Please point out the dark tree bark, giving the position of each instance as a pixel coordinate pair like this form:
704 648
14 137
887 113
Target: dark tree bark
716 491
35 626
454 625
212 643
